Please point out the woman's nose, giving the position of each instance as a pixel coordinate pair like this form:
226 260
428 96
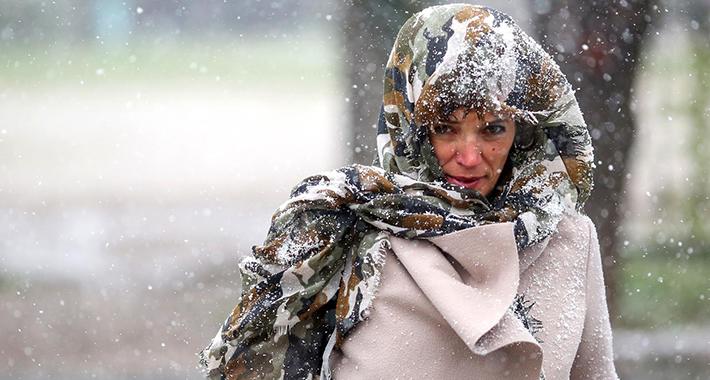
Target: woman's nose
468 154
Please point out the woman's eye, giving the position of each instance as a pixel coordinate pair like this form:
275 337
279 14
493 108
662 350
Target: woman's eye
495 129
441 129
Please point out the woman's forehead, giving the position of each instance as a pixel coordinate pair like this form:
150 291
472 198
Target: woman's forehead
486 115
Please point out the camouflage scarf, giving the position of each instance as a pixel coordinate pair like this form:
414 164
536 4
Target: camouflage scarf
315 277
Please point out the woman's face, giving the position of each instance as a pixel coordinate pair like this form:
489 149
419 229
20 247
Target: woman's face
472 150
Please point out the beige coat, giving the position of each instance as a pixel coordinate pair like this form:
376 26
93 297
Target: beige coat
442 309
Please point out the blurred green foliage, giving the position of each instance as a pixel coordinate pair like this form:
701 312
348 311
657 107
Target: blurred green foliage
305 60
688 202
658 290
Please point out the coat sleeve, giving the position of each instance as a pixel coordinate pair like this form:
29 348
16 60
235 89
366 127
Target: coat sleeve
595 357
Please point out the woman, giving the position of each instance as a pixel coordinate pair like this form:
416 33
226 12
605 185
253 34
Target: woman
428 264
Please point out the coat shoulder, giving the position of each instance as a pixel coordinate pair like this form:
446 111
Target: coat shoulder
577 228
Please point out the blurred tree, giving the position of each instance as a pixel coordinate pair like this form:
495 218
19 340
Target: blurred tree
698 18
598 44
369 30
113 21
27 23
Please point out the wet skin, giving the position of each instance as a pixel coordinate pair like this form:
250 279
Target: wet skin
472 148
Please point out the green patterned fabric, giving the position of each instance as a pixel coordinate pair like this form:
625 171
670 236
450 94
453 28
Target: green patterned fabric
315 276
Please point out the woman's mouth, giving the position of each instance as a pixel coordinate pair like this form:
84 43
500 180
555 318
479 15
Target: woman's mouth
467 182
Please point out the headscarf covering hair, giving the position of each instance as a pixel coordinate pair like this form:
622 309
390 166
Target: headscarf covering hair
314 278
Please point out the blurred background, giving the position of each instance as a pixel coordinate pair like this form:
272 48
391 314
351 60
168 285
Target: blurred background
145 143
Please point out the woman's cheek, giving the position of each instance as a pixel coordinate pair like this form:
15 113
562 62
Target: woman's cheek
445 152
498 155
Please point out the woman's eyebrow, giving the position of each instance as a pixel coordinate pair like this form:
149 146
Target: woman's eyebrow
449 121
497 120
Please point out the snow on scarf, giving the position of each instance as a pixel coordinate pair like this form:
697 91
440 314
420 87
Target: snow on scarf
315 277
